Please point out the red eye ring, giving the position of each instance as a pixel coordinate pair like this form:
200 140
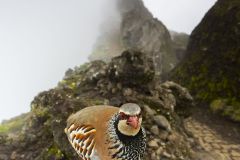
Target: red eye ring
123 115
139 115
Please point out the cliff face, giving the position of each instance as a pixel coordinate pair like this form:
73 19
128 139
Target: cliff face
139 31
211 66
179 44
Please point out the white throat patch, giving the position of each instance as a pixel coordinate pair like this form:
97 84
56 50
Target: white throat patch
127 129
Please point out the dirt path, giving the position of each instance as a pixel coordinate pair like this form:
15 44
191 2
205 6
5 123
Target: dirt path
215 134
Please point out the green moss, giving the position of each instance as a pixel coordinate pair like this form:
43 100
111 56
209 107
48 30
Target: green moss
53 152
236 115
71 82
40 111
13 125
218 105
233 110
4 128
227 107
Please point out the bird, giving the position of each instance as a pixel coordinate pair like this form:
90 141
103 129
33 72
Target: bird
105 132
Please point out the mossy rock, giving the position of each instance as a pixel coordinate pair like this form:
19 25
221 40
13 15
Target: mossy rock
210 68
218 105
14 124
227 107
53 152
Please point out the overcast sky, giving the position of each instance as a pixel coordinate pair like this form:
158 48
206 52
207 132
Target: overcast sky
179 15
41 39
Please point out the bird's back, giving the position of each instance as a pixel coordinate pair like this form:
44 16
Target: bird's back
87 131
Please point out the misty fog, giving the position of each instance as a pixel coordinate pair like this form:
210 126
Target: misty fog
40 40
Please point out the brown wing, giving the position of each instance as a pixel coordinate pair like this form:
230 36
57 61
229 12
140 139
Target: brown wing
94 115
96 118
82 139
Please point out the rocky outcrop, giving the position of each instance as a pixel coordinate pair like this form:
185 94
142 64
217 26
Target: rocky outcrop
43 137
138 31
210 68
141 32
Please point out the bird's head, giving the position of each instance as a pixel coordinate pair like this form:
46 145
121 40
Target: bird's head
130 119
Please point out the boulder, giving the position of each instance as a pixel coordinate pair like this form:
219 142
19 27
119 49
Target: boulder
132 69
162 122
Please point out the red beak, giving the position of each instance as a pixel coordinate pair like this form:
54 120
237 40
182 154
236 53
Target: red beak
133 121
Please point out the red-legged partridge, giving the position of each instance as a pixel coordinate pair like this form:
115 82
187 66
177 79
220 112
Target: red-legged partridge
107 133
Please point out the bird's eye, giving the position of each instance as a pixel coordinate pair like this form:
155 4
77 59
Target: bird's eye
123 116
139 115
